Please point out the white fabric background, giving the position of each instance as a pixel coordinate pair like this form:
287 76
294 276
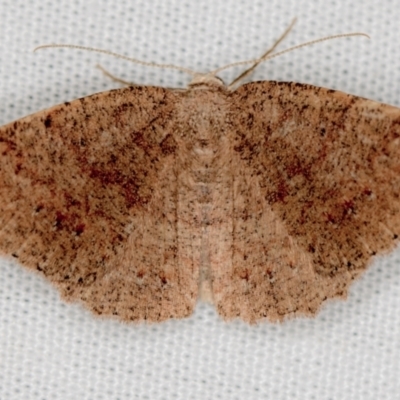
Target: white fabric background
52 350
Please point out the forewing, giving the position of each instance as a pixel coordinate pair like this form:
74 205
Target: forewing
88 198
316 195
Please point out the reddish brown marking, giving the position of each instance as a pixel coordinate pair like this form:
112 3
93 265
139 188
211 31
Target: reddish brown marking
79 229
60 220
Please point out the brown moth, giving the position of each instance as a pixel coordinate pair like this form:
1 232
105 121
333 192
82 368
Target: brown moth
266 200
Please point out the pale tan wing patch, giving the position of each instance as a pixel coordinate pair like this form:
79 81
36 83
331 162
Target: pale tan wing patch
88 197
316 194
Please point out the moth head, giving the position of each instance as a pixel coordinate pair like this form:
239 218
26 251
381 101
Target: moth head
206 80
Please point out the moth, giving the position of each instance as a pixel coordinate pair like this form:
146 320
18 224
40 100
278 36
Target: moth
266 200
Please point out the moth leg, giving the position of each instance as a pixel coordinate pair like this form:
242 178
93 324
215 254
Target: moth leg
114 78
